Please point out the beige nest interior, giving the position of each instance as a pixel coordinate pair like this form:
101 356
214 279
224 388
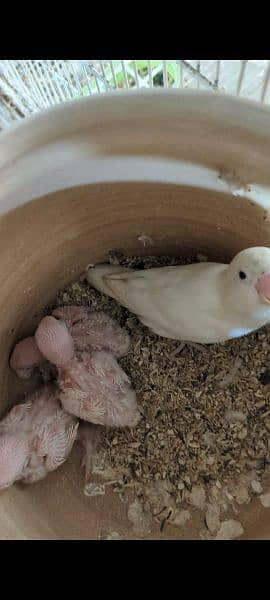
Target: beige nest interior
47 242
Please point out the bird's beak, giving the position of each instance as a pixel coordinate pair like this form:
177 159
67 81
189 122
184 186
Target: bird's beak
263 287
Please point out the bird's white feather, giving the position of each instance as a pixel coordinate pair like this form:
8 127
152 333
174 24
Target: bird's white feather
205 302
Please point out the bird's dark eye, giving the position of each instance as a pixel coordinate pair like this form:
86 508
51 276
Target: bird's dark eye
242 275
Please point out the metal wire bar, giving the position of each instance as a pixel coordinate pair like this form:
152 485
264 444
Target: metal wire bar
265 82
165 74
241 76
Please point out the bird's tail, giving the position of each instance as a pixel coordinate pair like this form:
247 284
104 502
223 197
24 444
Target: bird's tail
105 279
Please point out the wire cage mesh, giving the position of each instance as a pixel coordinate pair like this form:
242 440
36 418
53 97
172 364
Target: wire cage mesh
27 86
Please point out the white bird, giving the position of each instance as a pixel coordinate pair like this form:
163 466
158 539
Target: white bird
203 302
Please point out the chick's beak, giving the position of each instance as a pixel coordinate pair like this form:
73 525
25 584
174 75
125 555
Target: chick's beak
263 287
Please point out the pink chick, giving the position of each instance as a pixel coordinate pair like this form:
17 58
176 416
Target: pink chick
25 357
36 437
93 387
88 329
94 330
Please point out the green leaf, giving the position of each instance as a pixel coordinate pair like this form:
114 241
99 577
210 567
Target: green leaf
174 73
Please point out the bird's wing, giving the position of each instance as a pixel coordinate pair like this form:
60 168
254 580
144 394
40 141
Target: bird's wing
127 274
152 279
54 444
124 285
15 417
